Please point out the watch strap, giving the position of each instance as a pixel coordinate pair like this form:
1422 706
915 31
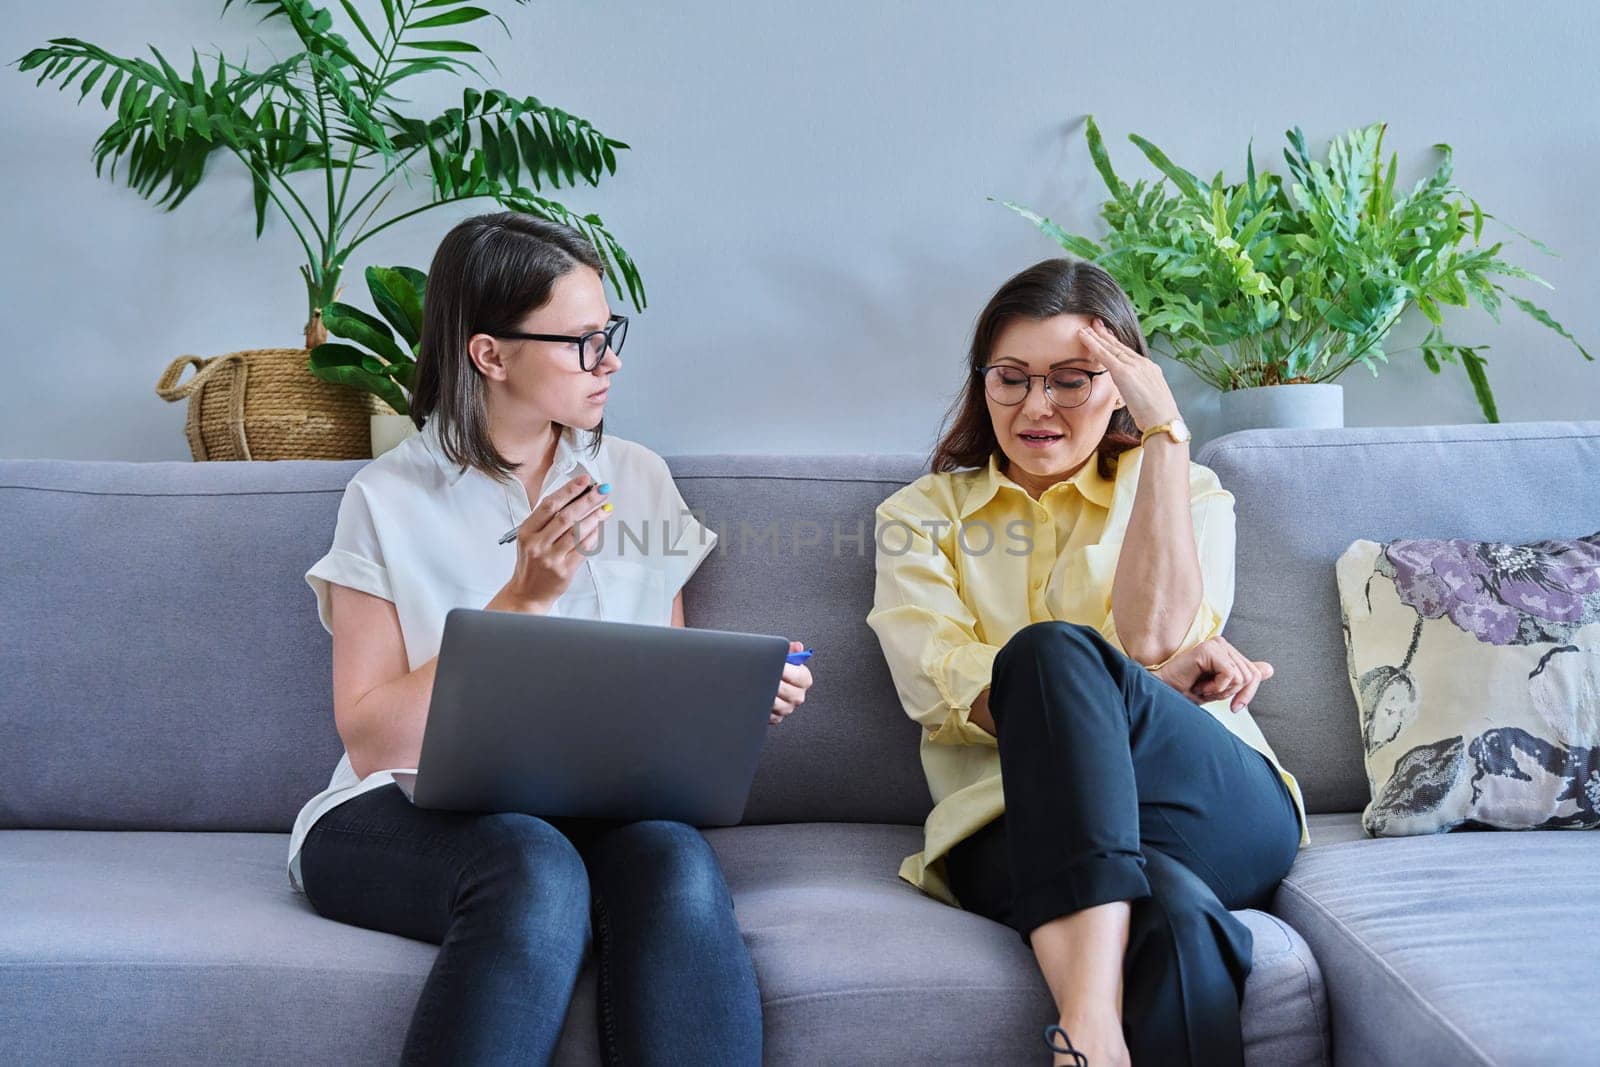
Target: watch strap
1165 427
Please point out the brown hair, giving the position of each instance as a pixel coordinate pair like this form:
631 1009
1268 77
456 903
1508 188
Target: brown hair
1053 287
488 273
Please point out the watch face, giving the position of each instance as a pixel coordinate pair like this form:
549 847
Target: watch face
1179 431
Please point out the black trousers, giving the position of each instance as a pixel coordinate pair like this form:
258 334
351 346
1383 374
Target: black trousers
1117 787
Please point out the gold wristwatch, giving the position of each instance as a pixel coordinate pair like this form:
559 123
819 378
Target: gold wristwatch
1177 429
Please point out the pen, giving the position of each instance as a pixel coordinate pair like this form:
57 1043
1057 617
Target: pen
511 534
800 657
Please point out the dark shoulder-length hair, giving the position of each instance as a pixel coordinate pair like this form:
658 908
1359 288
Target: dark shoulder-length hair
488 273
1053 287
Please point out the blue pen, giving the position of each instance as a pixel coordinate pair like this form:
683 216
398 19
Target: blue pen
799 657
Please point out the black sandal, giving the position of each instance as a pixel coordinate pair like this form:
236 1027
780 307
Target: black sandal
1066 1047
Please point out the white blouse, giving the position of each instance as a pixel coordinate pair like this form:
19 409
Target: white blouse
421 532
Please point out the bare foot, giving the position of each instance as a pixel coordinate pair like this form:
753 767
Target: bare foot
1097 1040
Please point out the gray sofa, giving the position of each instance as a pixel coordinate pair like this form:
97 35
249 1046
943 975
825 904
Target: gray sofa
165 709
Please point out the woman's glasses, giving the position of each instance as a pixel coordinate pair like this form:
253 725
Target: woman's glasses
591 346
1065 388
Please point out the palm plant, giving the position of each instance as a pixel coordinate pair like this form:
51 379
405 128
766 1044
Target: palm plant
1263 282
333 108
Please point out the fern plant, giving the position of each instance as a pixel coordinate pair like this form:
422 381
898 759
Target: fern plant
1263 282
333 109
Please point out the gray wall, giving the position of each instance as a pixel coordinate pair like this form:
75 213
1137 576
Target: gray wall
806 196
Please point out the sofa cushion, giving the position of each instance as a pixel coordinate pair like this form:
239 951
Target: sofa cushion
133 947
1302 496
1331 828
126 946
1457 948
1476 665
858 967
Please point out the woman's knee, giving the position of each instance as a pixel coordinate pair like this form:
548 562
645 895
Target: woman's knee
1048 640
527 865
673 858
1050 654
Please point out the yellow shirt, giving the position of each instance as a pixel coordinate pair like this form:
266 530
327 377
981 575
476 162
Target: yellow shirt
981 560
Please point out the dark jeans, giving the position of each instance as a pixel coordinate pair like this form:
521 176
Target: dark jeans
508 898
1117 787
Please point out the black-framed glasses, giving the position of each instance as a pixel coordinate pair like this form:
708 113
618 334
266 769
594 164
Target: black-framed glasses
1067 387
591 345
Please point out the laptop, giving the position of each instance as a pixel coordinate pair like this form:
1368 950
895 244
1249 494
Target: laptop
606 720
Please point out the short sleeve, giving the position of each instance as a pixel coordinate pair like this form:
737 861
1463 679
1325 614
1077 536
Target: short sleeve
690 541
355 559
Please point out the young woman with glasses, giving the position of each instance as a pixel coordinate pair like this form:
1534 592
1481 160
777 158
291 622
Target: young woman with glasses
518 354
1049 600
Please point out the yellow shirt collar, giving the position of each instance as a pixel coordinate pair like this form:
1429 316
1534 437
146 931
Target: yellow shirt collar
1087 481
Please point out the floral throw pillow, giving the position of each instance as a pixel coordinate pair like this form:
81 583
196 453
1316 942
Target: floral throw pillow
1476 668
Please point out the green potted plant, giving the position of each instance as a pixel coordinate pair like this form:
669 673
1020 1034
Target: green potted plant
379 355
1269 290
327 138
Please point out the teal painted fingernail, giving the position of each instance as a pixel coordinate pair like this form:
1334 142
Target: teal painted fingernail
605 487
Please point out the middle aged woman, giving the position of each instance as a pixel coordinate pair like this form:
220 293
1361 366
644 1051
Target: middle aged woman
1049 600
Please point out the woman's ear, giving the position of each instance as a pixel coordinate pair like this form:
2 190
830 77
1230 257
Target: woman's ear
485 355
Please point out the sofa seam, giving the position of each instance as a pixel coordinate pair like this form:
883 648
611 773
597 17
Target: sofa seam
1387 968
1324 1025
1324 1030
187 492
232 965
1283 929
1278 446
783 478
341 489
795 998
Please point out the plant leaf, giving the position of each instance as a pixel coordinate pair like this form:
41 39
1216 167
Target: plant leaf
1188 183
353 324
1081 247
1480 383
441 46
1102 160
346 365
361 26
1540 315
451 18
397 300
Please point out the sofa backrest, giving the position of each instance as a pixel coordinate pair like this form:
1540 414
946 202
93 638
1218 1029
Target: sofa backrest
1301 498
162 662
162 666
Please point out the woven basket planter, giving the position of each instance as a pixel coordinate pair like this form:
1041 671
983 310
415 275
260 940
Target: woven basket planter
264 403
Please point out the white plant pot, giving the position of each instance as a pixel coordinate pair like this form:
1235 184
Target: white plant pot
388 431
1289 407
